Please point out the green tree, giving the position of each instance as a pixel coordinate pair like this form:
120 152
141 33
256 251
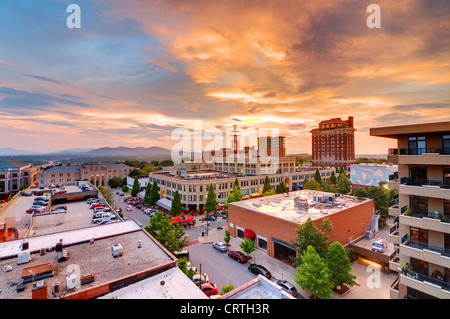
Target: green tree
269 193
312 184
247 246
309 235
177 207
106 193
339 265
236 184
314 275
227 236
211 202
328 187
333 178
182 264
381 195
154 194
226 289
281 188
236 195
317 176
115 182
170 235
124 188
267 187
136 188
148 190
344 184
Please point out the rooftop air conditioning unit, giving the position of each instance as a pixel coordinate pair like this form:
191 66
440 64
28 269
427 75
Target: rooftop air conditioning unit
23 258
71 281
117 250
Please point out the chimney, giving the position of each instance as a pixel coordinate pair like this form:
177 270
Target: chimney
350 121
40 290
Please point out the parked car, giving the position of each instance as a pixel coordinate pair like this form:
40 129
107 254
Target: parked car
288 287
209 217
220 246
59 191
238 255
60 207
39 192
92 200
35 210
95 205
259 270
102 209
200 279
26 193
40 203
58 211
43 199
87 189
100 217
216 215
209 289
181 254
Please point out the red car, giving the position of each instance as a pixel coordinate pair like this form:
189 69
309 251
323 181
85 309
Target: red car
38 193
35 210
95 205
209 289
237 255
60 191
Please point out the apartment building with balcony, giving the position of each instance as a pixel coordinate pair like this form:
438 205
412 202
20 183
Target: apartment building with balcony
421 232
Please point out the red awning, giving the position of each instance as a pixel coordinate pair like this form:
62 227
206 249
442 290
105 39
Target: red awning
249 234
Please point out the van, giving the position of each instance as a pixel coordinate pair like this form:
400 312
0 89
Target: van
379 245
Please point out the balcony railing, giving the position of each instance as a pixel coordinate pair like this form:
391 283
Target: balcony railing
420 214
419 151
417 276
421 182
418 245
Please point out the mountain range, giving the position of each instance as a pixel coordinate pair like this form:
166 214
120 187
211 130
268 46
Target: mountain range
88 152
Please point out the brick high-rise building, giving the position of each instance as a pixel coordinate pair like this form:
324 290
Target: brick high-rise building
333 143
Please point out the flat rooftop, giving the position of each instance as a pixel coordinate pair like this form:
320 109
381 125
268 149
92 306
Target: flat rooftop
399 130
197 175
176 286
95 258
258 288
298 206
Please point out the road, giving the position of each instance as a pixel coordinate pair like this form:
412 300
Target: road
220 269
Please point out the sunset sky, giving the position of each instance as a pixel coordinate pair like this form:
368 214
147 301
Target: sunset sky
136 69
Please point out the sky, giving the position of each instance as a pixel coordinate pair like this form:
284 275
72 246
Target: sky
137 70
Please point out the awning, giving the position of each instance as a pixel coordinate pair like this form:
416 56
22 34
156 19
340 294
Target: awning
164 203
141 195
297 186
283 243
249 234
222 201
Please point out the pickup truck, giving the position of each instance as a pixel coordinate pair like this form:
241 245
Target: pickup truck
100 217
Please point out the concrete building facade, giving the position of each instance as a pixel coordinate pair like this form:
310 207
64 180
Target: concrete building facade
422 230
14 174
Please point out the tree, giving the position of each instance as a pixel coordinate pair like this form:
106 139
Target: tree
211 203
381 195
177 207
148 190
333 178
236 184
317 176
344 184
248 246
236 195
281 188
267 187
106 193
170 235
124 188
339 265
227 237
115 182
314 274
226 289
269 193
182 264
136 172
312 184
136 188
328 187
310 235
154 194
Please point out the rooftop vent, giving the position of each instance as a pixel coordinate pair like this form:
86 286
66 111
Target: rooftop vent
117 250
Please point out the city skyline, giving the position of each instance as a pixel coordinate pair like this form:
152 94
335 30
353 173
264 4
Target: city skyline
135 72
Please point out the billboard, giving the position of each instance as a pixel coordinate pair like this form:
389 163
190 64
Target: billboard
371 175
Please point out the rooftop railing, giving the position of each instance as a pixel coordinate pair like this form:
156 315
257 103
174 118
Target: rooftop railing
420 214
418 245
417 276
421 182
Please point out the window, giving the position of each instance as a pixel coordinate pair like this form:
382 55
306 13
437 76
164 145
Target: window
418 235
262 243
446 144
419 203
417 145
418 174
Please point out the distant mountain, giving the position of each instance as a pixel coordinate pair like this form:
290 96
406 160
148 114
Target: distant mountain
129 151
9 151
73 151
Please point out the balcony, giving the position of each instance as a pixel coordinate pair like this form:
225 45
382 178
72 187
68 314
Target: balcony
430 253
394 260
425 187
394 289
430 220
430 285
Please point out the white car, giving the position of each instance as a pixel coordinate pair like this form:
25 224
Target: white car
220 246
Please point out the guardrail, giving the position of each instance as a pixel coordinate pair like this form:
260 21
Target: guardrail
419 151
424 182
418 276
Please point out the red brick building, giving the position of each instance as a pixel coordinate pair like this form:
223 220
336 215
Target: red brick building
272 221
333 143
